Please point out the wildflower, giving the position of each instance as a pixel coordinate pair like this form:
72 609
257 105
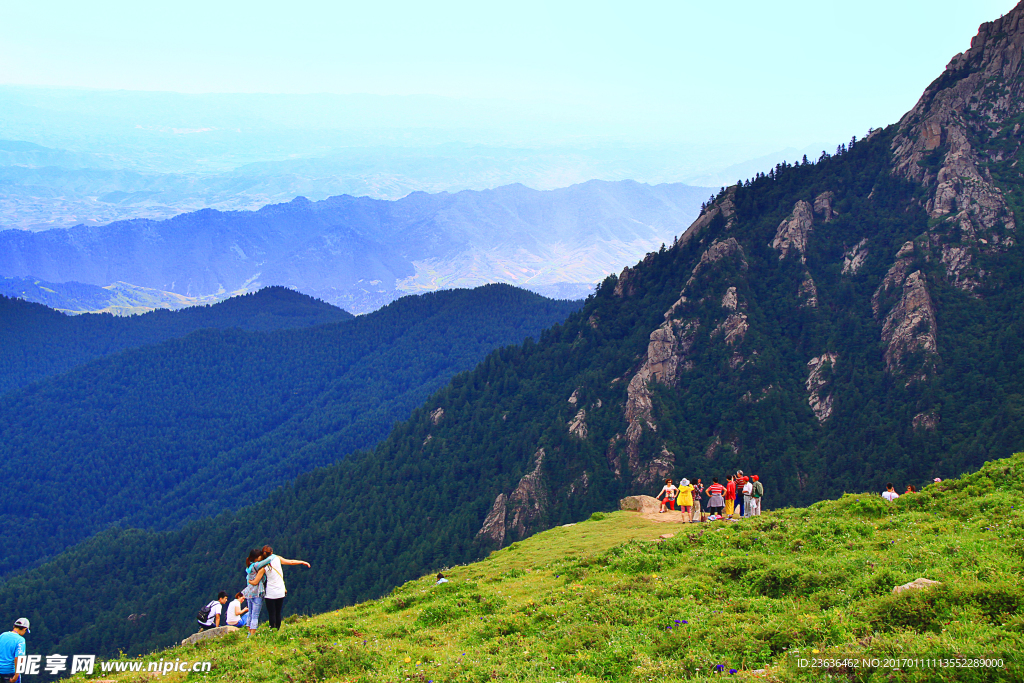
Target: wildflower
733 671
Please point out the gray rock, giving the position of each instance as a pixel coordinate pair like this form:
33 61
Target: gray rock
641 504
208 634
916 584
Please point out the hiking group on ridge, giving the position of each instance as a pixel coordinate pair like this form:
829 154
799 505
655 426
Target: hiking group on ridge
740 497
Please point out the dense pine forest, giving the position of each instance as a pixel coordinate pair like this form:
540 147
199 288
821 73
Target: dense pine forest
163 433
38 342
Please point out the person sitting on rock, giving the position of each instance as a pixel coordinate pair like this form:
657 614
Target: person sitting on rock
685 499
213 611
669 492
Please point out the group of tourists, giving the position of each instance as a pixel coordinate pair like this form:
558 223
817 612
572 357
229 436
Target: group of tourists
740 496
890 491
264 587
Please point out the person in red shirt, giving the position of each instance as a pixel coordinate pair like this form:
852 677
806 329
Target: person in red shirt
741 481
730 496
716 497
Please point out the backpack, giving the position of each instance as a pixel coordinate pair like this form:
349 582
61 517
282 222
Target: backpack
204 614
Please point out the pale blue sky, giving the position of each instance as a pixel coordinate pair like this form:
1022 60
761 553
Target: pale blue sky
790 72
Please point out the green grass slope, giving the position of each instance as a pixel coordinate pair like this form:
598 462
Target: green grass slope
609 600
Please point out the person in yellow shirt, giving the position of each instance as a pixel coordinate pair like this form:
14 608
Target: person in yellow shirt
685 500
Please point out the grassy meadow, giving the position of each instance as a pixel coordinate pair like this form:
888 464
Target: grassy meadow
609 600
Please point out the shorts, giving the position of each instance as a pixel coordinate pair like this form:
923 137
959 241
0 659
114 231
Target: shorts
686 508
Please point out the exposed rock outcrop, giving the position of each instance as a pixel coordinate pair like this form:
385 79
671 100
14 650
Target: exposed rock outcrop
910 327
493 528
578 424
522 511
668 355
977 98
808 292
823 206
853 258
733 328
579 485
925 421
626 284
709 452
574 398
792 233
529 501
437 416
724 207
818 380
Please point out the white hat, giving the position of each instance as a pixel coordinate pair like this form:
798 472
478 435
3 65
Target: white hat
22 623
685 482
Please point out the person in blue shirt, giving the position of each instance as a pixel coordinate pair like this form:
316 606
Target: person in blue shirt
12 647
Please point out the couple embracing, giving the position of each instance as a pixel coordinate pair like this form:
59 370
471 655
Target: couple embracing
264 576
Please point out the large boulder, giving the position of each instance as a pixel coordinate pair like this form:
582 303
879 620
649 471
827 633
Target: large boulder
209 633
641 504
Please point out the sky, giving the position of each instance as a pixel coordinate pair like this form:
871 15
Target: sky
781 73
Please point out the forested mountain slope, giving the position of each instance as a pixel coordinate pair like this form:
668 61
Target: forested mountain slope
160 434
830 326
36 341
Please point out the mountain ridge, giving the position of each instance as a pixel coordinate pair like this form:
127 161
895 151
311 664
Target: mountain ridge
38 342
160 434
359 253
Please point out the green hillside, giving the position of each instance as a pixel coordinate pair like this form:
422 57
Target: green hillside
608 600
157 435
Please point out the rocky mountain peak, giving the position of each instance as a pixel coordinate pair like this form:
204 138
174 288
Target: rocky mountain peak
963 125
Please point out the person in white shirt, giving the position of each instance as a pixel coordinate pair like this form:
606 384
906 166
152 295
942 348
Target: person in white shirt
237 616
276 590
440 580
890 493
213 616
748 500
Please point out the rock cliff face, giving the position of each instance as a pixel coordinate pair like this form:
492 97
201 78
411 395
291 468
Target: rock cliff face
670 344
804 306
943 143
909 328
818 394
524 510
793 233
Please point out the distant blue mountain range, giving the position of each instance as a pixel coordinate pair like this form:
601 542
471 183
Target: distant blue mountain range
360 253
